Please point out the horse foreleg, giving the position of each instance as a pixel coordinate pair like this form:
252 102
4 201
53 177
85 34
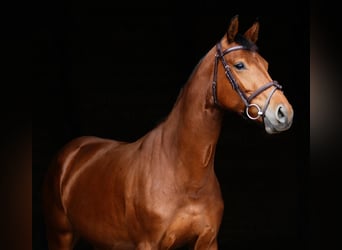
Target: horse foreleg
145 246
207 240
59 241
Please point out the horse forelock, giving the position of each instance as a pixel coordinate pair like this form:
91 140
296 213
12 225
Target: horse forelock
240 39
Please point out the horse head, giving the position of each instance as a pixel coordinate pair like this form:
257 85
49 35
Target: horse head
242 83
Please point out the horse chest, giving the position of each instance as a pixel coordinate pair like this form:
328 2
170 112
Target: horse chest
189 223
173 221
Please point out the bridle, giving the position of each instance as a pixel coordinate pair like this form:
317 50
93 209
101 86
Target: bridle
247 100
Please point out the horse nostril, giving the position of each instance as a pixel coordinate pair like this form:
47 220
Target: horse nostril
281 114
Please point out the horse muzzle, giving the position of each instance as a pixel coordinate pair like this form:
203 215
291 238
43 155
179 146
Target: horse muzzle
278 119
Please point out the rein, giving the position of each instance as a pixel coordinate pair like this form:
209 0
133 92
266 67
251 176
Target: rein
247 100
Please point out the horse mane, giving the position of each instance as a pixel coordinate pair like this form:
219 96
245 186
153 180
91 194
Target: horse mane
186 82
181 91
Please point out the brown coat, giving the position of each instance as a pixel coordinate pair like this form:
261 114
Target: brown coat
159 192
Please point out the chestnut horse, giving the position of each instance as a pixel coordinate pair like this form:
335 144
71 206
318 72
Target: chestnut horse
161 191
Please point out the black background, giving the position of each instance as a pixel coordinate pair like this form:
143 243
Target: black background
104 70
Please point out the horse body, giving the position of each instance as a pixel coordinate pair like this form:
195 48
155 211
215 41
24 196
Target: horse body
159 192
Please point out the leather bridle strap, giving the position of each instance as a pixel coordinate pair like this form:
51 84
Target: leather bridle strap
229 75
247 100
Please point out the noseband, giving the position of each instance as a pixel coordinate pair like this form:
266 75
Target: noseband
247 100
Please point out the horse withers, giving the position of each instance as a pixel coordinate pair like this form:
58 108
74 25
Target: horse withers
161 191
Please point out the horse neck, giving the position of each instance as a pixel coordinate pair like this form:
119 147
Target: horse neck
193 126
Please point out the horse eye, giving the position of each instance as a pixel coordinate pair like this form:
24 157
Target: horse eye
239 66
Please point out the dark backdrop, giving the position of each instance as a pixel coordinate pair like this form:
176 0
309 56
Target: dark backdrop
108 72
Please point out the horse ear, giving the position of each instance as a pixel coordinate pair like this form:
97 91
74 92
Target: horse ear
253 32
233 28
